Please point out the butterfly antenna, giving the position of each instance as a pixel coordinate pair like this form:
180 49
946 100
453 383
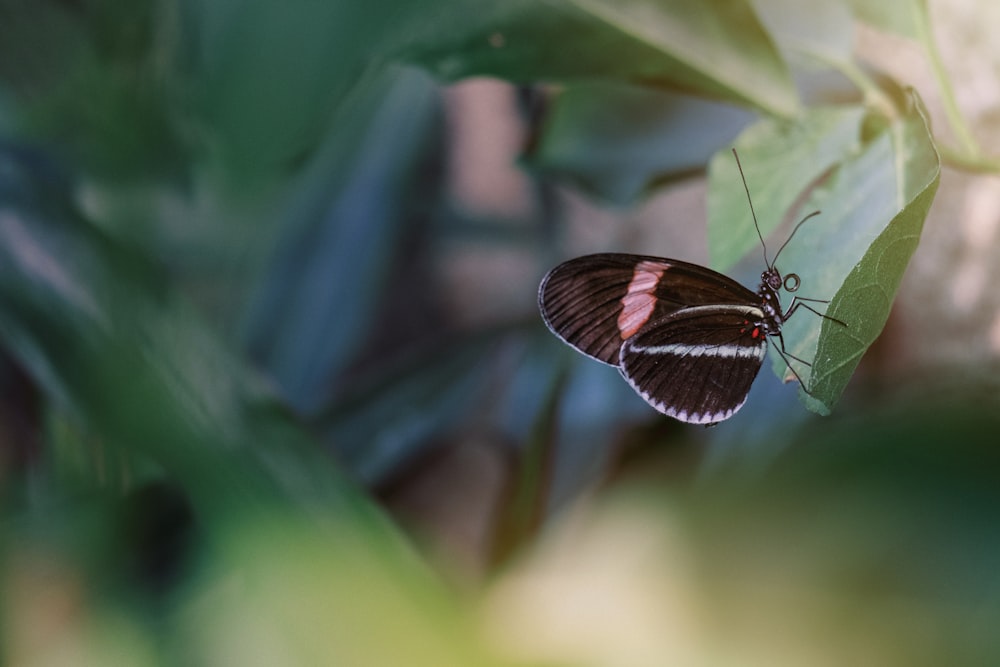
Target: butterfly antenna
752 213
811 215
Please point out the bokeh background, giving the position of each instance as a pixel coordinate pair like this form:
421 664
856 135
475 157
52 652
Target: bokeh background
274 388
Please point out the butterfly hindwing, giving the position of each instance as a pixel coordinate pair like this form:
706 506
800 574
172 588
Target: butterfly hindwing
697 364
597 302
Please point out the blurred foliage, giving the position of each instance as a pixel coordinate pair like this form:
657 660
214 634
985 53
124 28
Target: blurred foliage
228 330
871 540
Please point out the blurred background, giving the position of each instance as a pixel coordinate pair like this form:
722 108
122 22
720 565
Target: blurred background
274 387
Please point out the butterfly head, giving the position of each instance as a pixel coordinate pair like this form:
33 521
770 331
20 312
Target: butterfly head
773 279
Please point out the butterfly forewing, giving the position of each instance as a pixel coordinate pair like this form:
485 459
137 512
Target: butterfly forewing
697 364
597 302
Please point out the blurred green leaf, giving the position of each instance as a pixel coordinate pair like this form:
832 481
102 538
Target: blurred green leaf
883 196
130 361
594 406
617 141
26 70
312 597
716 49
341 227
110 345
251 87
810 34
93 84
872 537
392 414
780 159
892 515
531 415
266 79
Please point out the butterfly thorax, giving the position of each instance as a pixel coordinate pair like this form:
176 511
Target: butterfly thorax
770 301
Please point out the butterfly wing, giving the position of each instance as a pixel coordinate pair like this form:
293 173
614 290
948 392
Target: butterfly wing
596 302
697 364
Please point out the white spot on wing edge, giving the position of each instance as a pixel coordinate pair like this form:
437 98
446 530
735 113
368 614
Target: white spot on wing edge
694 417
683 415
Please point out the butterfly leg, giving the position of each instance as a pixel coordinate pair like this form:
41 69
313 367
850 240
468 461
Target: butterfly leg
801 301
786 355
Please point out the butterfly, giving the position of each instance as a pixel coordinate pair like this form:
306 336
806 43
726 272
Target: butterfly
689 340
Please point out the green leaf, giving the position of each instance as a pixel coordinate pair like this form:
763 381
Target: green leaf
884 175
618 141
911 167
781 159
716 48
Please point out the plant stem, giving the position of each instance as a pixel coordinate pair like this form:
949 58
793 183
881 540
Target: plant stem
974 163
955 119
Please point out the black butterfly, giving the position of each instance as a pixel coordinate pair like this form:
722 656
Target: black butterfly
689 340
